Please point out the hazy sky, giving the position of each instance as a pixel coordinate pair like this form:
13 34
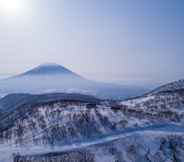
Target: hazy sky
100 39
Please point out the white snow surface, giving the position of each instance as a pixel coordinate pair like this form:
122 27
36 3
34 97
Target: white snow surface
150 133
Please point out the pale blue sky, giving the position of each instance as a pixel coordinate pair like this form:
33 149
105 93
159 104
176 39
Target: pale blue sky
113 40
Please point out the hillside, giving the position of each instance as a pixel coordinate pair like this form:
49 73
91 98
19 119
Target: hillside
147 129
45 120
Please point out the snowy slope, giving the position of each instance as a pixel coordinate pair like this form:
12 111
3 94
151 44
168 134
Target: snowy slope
144 129
168 105
173 86
143 146
61 121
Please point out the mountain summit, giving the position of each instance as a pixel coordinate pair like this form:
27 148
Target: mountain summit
49 69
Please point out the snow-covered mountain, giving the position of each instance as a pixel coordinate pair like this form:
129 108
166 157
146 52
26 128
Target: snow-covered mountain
42 79
49 69
56 119
63 127
49 78
173 86
146 129
166 101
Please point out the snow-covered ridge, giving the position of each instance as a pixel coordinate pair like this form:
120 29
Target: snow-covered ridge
170 87
168 105
58 122
62 122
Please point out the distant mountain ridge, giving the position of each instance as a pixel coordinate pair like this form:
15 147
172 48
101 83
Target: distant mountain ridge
54 78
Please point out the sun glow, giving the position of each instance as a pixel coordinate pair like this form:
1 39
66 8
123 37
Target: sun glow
11 7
